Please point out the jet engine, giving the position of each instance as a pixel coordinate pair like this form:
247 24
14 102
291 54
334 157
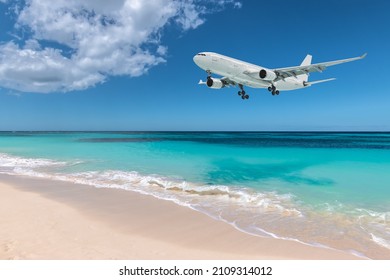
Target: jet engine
214 83
267 75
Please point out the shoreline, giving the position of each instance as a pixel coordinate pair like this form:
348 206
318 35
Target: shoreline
47 219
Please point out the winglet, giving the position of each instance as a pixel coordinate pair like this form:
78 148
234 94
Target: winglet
201 82
363 56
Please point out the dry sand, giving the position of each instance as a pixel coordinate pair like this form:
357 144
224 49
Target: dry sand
44 219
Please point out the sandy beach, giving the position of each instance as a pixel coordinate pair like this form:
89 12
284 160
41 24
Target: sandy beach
44 219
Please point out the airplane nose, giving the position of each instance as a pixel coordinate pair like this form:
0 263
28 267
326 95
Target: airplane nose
195 58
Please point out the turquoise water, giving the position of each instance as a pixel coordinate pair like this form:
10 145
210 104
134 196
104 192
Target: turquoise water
323 189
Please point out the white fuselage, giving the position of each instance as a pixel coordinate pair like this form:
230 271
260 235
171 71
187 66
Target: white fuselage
242 72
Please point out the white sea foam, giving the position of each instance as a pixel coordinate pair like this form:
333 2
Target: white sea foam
177 190
183 192
380 241
15 161
379 217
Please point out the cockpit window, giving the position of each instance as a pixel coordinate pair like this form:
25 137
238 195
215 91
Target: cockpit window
202 54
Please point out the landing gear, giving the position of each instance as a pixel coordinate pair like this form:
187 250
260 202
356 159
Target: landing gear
273 90
242 92
243 95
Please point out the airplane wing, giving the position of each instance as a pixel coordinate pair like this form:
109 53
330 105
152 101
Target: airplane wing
228 82
283 73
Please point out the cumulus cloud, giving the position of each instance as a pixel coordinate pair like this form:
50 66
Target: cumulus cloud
75 44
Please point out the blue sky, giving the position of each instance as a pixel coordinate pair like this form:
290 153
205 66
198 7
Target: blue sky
128 66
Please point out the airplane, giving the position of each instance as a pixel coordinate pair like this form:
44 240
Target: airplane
235 72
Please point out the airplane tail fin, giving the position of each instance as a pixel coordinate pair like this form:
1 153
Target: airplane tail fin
305 62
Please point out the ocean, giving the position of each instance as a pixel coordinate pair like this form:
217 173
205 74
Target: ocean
328 189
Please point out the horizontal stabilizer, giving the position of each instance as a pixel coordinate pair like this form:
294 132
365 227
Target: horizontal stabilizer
319 81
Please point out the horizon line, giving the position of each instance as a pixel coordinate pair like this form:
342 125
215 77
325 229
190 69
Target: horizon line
201 131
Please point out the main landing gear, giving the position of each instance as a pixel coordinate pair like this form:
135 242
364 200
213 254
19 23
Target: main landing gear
273 90
242 92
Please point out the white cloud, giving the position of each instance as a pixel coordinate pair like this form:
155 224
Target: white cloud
189 16
162 50
238 5
76 44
